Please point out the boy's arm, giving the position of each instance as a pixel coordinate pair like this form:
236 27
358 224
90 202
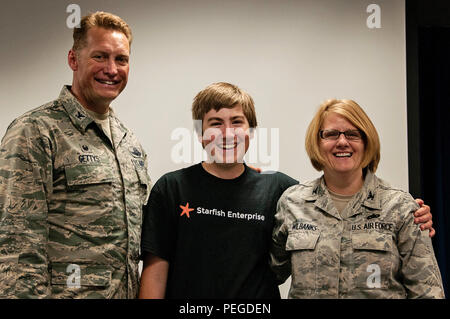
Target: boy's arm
154 277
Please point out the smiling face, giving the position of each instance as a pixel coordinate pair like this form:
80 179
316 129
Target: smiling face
342 156
100 69
226 135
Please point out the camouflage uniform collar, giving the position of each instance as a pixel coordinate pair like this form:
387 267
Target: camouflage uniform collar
369 195
317 190
77 114
118 130
112 114
322 200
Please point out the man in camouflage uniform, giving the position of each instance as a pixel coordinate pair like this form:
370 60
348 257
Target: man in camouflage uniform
372 249
73 180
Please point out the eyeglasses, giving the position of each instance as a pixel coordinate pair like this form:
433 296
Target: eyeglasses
351 135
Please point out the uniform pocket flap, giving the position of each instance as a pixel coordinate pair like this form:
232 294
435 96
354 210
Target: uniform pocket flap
372 241
88 174
302 240
74 275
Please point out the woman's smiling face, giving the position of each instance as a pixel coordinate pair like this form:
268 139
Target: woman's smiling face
341 155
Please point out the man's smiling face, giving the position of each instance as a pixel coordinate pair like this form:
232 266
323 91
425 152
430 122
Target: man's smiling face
100 68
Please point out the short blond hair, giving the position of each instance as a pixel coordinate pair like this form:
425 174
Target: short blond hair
99 19
353 113
219 95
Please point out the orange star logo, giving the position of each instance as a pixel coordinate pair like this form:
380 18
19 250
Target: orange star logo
186 210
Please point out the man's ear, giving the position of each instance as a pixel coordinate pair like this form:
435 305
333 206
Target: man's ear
72 60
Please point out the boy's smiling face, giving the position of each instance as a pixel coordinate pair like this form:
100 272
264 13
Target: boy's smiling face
226 135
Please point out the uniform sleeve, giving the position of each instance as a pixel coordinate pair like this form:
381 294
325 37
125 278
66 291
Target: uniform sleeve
419 269
280 259
25 180
158 235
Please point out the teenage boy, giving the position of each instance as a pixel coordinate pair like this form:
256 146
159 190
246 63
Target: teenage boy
207 228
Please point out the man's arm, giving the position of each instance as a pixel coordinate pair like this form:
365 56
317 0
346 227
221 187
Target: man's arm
154 277
25 166
423 216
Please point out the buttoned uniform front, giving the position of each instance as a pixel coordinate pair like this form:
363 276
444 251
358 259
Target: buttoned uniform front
71 205
374 251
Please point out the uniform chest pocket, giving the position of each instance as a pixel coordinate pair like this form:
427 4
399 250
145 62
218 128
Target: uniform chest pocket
302 245
89 194
301 240
372 260
78 175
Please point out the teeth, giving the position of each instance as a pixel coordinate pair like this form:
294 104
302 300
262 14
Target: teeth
228 146
106 82
343 154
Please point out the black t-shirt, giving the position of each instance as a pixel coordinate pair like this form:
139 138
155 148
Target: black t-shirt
214 232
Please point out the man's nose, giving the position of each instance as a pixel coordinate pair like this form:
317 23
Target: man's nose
111 67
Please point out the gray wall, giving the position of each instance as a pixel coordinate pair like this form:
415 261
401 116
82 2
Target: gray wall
289 55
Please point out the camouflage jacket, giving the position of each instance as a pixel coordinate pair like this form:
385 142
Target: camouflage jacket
376 252
70 205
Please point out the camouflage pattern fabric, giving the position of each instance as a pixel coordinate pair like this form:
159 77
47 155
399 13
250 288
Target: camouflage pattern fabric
70 205
376 252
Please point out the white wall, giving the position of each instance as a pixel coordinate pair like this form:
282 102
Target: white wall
289 55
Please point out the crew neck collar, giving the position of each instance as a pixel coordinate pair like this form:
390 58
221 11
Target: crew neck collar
223 180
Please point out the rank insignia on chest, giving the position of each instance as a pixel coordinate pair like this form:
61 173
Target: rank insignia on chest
135 152
80 115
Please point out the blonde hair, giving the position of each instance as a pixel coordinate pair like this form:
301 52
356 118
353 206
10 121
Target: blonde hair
99 19
352 112
220 95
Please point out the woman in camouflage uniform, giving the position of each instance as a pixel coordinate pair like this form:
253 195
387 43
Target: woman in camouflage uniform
349 234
